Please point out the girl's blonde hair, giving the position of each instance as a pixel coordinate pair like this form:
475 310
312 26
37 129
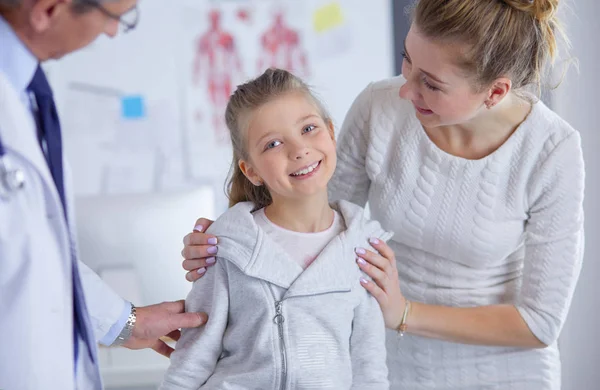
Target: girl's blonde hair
512 38
272 84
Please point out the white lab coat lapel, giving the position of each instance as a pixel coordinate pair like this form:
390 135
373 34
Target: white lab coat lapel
19 135
37 250
52 246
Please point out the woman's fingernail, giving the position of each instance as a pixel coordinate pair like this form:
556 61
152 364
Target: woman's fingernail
199 228
202 270
374 241
364 281
361 261
212 250
212 241
210 260
360 251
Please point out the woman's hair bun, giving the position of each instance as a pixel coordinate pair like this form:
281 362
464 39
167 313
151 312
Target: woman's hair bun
541 10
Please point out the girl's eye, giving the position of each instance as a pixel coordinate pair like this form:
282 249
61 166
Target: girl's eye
272 144
308 129
429 86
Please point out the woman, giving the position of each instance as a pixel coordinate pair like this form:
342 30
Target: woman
483 187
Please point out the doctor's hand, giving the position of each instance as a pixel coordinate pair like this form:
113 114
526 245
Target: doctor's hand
160 320
199 250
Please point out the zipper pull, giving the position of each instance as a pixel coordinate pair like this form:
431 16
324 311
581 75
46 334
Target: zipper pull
278 319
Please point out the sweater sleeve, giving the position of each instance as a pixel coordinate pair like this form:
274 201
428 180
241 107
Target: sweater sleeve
198 350
367 346
351 181
554 240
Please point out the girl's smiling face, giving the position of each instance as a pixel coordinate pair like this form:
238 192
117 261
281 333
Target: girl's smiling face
291 148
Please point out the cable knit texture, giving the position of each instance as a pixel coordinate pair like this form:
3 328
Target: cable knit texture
507 228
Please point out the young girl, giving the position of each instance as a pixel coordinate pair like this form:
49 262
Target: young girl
285 303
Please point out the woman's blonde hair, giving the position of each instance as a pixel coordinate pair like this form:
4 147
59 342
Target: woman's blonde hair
273 83
512 38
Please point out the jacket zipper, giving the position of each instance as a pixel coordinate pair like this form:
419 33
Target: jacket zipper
279 319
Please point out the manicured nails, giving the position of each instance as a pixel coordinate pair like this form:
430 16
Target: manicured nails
201 271
360 251
364 281
374 241
199 228
210 260
212 241
361 261
212 250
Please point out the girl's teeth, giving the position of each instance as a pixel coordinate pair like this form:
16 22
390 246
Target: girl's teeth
305 171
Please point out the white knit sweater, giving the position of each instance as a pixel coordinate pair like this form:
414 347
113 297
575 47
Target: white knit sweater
507 228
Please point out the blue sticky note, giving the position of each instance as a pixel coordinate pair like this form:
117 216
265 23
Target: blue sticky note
132 107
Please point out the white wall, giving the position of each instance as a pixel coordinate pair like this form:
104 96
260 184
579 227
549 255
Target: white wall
577 101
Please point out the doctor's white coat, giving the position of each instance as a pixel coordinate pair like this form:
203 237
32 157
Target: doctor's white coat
36 308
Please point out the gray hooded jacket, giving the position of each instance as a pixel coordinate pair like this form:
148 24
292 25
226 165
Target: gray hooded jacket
274 326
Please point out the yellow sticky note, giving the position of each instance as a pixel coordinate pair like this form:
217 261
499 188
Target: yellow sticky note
328 17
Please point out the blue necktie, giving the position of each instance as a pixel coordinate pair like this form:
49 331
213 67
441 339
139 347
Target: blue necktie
49 130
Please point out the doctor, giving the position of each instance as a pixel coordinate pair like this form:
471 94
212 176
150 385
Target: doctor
49 331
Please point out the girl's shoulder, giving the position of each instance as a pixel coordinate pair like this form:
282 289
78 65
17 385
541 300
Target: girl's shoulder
358 222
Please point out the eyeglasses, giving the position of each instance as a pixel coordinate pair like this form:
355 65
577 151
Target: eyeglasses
128 20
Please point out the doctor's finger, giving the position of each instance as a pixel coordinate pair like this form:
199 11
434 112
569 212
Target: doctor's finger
174 335
162 348
187 320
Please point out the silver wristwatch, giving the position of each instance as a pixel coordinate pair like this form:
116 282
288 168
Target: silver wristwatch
127 329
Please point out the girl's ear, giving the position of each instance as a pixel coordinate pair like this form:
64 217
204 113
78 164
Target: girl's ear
331 129
250 173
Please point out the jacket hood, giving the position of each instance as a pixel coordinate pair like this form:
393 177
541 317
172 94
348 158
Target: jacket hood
243 243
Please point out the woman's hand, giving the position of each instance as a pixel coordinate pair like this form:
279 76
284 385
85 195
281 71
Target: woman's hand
199 250
385 287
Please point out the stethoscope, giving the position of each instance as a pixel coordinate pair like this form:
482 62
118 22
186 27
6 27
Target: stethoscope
11 180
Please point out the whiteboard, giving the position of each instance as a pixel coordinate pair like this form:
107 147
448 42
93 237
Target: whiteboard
140 113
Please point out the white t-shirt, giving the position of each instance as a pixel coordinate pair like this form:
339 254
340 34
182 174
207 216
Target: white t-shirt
302 247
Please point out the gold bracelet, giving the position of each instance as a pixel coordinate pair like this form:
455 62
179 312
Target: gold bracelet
403 326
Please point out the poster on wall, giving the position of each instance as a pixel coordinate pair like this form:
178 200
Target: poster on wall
144 112
332 45
228 43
